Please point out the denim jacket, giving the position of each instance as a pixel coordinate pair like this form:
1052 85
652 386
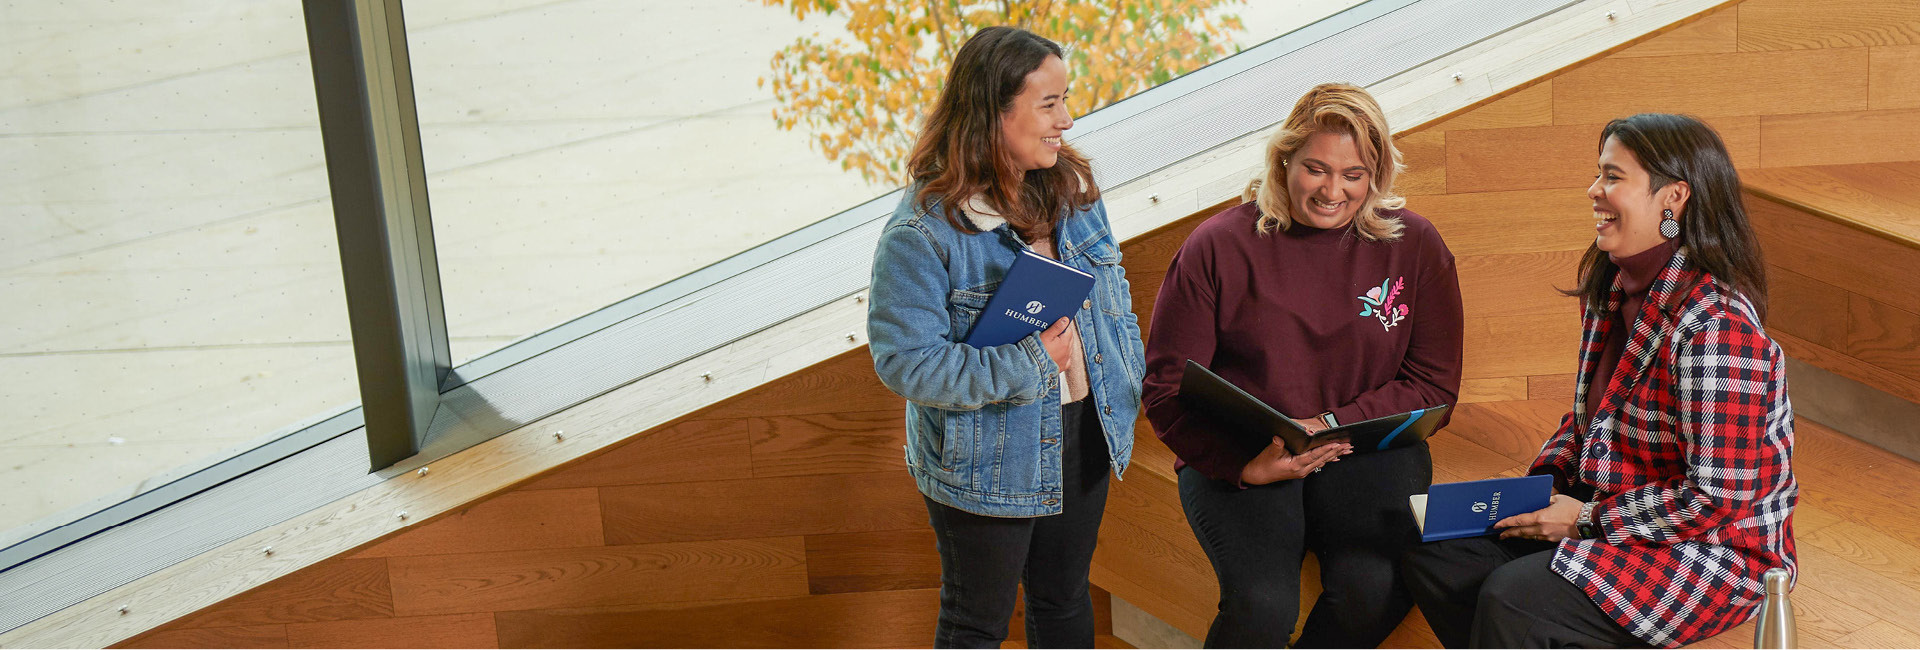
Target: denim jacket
983 425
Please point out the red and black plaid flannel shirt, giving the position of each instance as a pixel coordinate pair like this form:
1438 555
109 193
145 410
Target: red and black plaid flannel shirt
1689 459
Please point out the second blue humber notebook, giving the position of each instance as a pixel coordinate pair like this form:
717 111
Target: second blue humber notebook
1470 508
1037 291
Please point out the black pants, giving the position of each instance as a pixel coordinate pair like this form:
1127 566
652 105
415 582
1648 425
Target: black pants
1353 516
1483 592
984 559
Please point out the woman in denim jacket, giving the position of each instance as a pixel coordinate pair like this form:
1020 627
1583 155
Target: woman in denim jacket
1010 444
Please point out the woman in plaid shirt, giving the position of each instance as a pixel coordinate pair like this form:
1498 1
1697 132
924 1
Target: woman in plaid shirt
1672 473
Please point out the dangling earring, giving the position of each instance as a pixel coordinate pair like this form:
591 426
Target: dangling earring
1669 227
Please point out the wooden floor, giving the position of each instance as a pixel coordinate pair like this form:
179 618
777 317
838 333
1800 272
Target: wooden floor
1857 526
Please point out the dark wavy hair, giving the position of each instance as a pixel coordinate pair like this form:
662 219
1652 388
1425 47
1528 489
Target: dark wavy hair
959 154
1714 227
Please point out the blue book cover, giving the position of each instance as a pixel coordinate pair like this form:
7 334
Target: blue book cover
1470 508
1037 291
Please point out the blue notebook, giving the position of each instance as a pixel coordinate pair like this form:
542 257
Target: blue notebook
1037 291
1470 508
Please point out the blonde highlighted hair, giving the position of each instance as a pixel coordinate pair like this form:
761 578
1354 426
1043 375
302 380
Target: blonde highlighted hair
1333 108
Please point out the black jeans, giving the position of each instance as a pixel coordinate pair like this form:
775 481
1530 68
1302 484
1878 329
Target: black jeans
1483 592
984 559
1353 516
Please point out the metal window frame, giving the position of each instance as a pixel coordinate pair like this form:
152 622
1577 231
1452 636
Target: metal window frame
364 84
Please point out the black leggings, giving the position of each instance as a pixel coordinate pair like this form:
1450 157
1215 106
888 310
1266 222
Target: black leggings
1353 516
984 559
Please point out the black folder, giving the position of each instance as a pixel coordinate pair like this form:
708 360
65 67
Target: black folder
1239 414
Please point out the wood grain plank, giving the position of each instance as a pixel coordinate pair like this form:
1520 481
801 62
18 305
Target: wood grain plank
519 520
1553 388
1514 430
1524 158
1511 346
1464 460
768 507
1425 155
1883 335
874 561
1805 307
1518 284
1836 254
1805 24
1492 389
1891 72
340 589
1881 634
1869 549
590 577
1834 577
1714 85
843 383
1880 198
1840 138
829 443
243 636
874 619
1509 223
1529 106
1886 381
1713 33
691 450
453 631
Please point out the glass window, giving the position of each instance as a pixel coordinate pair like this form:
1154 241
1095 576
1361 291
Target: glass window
584 151
167 255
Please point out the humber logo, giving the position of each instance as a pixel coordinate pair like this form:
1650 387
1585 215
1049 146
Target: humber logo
1479 506
1034 307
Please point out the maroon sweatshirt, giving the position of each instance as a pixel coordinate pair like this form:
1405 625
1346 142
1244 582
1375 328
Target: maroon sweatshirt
1307 320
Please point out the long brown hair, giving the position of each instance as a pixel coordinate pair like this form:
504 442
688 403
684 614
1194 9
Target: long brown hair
1333 108
1714 229
959 155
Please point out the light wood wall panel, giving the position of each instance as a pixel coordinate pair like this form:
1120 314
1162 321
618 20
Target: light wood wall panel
691 450
600 576
1893 77
346 589
242 636
453 631
874 561
1840 138
1717 32
877 619
829 443
802 505
522 520
1529 106
1714 85
1827 24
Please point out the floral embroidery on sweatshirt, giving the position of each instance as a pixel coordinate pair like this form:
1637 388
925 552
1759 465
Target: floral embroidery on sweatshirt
1380 305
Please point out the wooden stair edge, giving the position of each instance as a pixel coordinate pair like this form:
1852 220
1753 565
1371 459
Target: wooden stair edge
1830 215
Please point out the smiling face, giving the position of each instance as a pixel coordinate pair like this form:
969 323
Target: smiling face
1627 213
1030 130
1327 180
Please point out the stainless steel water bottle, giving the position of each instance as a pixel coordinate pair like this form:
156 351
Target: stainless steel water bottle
1774 628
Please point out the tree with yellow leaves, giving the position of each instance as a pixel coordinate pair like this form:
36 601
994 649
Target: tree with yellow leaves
863 101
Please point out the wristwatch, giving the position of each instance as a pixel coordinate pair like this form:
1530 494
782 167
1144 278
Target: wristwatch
1327 419
1584 523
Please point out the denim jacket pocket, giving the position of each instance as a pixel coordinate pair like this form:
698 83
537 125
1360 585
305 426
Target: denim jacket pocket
964 307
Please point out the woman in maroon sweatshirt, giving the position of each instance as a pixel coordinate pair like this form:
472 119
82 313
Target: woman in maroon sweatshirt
1324 298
